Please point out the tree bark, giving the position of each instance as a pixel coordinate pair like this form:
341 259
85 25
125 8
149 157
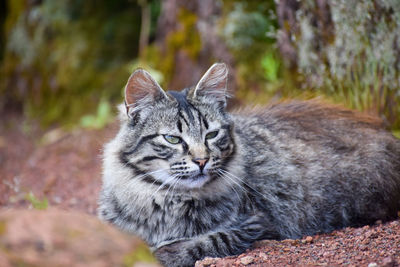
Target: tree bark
186 70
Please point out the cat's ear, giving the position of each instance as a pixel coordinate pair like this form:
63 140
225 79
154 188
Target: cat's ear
212 87
141 92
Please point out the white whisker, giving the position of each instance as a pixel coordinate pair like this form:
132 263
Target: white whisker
172 185
227 175
159 187
223 176
242 180
147 174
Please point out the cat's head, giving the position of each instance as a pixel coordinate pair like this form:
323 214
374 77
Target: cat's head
177 139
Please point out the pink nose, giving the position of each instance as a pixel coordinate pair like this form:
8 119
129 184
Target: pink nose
200 162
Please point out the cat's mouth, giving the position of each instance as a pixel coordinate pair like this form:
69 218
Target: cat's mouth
193 177
194 181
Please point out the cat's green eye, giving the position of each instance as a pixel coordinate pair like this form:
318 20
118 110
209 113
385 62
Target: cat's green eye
211 135
172 139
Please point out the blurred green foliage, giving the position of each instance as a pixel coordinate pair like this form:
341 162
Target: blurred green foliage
141 254
100 119
62 57
37 203
67 61
271 65
249 30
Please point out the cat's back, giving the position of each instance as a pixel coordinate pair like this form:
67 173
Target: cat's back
312 116
315 124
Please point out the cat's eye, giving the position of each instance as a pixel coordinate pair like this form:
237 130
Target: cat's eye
172 139
211 135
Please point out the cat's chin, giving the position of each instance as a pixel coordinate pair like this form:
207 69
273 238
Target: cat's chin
194 182
188 182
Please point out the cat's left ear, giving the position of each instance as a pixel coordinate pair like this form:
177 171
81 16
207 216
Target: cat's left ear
141 93
212 87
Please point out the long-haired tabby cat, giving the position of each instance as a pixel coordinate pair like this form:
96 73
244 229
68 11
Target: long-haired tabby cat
193 180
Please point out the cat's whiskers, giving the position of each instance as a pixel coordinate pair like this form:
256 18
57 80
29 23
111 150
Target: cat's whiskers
244 189
172 185
223 176
242 180
147 174
159 187
135 178
166 182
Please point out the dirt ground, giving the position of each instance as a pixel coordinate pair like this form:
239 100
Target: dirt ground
64 168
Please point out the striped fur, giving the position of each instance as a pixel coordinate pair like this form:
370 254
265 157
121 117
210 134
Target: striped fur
285 171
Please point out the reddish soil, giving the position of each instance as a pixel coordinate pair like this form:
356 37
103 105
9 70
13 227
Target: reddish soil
372 246
65 168
62 167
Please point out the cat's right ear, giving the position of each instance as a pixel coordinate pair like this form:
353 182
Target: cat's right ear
212 87
141 92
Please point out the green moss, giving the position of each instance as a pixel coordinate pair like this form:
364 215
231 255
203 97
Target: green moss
186 38
37 203
74 233
141 254
3 227
354 68
22 263
396 133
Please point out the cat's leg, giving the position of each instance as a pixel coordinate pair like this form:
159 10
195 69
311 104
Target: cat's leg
216 244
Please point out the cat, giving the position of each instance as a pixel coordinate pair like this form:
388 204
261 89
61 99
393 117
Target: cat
194 180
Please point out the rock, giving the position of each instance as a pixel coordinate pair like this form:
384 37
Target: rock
309 239
247 260
60 238
388 262
145 264
373 264
207 261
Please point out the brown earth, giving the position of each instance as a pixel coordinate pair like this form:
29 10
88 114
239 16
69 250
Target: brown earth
64 168
55 237
372 246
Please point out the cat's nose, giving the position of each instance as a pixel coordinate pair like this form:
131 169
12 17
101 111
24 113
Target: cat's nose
201 162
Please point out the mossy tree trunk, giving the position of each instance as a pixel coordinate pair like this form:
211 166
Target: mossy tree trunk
320 18
187 37
349 50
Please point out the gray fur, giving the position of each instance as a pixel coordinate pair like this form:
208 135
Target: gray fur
289 170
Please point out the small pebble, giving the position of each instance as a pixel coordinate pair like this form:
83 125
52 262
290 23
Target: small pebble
309 239
207 261
373 264
247 260
263 255
57 199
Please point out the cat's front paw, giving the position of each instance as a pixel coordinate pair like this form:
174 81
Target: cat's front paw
176 255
